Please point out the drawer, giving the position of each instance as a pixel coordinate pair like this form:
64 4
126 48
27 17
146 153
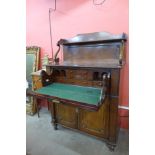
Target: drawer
69 81
83 83
70 73
90 75
97 83
60 79
79 74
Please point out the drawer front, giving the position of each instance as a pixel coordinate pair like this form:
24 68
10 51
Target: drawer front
70 81
98 84
90 75
60 80
79 74
83 83
70 73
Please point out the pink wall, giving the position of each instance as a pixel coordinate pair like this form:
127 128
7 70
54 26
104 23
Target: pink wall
74 17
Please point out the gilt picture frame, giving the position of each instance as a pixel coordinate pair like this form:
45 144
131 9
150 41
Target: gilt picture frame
32 65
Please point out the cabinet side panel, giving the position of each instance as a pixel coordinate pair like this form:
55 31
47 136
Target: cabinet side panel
114 99
115 77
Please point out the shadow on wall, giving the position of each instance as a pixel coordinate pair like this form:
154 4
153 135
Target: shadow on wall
67 5
64 7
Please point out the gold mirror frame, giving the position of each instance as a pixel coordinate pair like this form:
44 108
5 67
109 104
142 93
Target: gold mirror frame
34 50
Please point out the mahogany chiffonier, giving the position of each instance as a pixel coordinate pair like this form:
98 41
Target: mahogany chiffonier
83 90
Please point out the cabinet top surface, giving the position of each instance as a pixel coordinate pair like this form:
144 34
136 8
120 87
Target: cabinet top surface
86 66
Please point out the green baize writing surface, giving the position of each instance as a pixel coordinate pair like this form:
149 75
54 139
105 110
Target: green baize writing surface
88 95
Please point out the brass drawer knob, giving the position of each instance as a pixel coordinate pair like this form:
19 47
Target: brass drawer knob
47 80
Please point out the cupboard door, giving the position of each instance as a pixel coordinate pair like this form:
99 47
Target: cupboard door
95 123
66 115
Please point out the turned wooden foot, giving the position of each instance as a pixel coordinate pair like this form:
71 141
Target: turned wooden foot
38 109
37 106
55 127
111 146
54 124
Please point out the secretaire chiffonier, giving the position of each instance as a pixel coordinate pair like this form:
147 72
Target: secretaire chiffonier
83 90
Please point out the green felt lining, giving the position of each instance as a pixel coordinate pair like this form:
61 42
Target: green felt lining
88 95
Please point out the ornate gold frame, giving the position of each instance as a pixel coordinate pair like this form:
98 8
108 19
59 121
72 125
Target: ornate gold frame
34 50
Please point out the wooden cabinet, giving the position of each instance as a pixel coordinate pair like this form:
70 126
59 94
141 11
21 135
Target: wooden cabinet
91 62
100 122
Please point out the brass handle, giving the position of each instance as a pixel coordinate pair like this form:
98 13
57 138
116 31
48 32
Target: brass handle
100 84
56 101
47 80
77 110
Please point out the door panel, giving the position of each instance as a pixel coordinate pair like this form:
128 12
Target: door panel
66 115
95 123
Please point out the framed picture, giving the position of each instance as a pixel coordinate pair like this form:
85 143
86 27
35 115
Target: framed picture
32 65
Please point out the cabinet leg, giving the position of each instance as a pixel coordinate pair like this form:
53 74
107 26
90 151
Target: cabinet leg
38 111
48 105
53 115
111 147
37 106
55 125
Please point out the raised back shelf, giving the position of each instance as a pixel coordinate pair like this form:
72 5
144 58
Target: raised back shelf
98 49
